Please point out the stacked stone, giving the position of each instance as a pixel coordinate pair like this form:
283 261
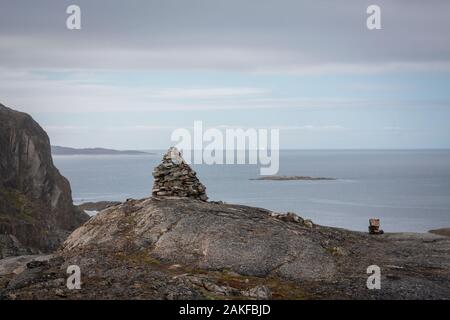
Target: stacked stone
175 178
374 226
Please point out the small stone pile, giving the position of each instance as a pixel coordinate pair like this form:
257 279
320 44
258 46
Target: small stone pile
374 226
175 178
292 217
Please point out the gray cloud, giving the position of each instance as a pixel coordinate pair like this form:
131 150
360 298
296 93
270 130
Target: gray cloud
252 35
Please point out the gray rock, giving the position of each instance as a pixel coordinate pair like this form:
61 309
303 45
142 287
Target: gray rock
308 223
16 265
258 293
182 248
255 243
238 238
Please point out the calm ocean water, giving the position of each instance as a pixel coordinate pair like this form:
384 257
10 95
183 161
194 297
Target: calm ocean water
408 190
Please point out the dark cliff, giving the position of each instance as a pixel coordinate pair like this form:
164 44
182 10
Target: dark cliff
36 209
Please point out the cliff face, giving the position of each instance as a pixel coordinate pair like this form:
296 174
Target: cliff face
36 210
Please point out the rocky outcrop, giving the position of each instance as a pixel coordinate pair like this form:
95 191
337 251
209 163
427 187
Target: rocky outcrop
36 207
11 246
205 235
175 178
167 248
97 206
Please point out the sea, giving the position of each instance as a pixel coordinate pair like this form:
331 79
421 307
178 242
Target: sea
409 190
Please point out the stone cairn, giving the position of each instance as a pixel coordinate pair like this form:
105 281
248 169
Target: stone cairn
175 178
374 226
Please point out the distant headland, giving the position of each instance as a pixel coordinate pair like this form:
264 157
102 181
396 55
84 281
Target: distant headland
58 150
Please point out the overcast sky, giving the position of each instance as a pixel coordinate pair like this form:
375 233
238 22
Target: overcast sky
139 69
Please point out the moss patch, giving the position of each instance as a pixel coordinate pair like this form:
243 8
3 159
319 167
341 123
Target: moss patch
281 289
16 205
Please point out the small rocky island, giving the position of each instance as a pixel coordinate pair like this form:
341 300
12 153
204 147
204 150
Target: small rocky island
288 178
